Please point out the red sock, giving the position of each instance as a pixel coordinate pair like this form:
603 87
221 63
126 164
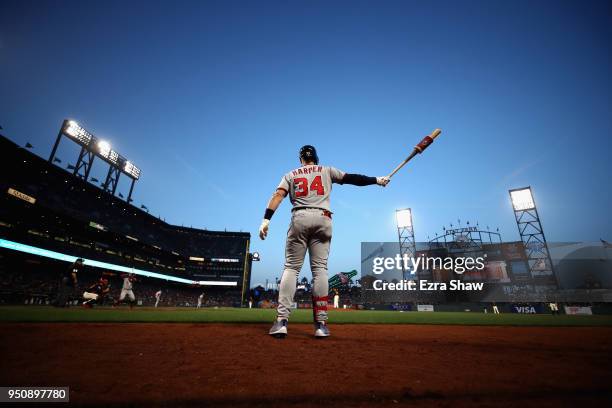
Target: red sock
319 308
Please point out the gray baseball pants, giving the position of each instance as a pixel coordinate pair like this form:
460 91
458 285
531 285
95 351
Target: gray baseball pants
310 230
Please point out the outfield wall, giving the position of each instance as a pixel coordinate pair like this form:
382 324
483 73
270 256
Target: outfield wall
479 307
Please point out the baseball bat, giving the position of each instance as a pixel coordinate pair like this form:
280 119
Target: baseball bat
418 149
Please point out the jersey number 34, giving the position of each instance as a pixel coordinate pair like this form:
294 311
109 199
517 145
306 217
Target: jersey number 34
301 186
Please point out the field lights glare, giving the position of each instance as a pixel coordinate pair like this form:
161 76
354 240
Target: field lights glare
404 218
132 170
77 133
104 148
522 199
98 147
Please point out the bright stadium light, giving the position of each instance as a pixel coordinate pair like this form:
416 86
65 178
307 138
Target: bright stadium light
104 148
522 199
77 133
91 147
131 170
404 218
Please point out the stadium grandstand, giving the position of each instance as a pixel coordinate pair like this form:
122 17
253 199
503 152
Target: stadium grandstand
49 216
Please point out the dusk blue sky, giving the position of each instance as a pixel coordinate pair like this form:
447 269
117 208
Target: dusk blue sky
213 100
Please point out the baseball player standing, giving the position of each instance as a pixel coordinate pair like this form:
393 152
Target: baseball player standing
157 297
127 289
309 187
200 298
554 309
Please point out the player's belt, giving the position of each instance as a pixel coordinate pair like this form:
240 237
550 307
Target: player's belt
326 213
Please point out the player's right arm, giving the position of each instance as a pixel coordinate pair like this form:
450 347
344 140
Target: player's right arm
341 177
275 201
360 180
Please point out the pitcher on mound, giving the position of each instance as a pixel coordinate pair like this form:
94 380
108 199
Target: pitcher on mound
308 187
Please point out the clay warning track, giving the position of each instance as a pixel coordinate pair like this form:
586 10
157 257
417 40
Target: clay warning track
228 365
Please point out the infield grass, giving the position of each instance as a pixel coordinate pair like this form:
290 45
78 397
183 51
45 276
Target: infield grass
234 315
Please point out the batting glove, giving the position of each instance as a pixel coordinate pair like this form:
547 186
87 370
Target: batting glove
263 228
383 181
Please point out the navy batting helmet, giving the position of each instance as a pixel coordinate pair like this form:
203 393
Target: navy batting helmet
309 154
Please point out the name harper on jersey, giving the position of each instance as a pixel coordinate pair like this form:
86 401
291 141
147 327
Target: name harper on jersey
307 170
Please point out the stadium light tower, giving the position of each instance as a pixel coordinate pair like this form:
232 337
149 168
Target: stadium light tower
405 234
92 147
112 177
531 232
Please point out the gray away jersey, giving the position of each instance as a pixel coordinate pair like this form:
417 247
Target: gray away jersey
310 186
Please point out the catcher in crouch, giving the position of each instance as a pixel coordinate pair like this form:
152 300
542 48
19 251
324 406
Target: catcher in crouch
308 187
96 291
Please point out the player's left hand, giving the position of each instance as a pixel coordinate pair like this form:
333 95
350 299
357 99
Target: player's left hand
263 229
383 181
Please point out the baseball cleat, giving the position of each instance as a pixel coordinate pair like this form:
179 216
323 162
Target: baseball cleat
279 329
321 330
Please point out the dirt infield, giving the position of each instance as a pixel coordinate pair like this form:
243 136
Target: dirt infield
361 365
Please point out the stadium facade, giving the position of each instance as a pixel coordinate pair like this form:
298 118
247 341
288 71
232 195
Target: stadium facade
45 207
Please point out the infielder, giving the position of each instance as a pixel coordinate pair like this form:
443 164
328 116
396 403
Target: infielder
336 299
308 187
127 289
554 309
200 298
495 309
157 297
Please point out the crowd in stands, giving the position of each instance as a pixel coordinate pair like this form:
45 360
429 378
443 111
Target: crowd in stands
39 284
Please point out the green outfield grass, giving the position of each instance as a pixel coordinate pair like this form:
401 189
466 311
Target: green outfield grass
231 315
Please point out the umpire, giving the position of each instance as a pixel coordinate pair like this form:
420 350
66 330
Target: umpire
68 281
